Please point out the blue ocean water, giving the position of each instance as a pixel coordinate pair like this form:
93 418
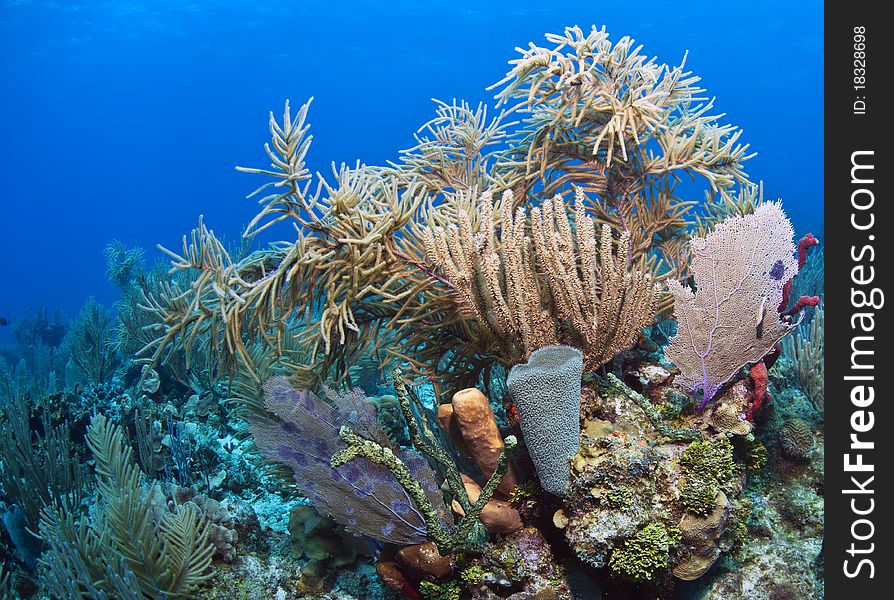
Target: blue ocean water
124 120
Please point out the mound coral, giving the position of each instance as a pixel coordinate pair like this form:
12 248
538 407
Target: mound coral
796 440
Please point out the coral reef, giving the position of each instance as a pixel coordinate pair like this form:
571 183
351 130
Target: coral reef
468 534
323 543
453 382
520 565
600 120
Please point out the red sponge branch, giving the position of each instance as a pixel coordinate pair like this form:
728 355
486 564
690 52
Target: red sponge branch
802 302
804 245
759 376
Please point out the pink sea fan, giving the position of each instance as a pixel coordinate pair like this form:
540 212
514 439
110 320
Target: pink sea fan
731 321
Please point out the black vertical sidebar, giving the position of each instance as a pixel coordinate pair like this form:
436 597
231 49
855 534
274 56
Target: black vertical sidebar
859 420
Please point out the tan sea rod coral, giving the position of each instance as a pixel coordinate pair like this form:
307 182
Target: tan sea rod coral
560 284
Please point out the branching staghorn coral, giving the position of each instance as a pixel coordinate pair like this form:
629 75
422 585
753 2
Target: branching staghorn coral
557 285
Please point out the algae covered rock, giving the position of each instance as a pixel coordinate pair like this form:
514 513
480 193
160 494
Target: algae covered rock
644 505
612 496
519 566
320 541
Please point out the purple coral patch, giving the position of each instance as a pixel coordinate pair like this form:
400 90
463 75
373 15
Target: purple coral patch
778 270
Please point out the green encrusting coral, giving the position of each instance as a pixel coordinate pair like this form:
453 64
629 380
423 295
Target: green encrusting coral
620 497
708 468
755 454
671 433
449 590
473 575
644 554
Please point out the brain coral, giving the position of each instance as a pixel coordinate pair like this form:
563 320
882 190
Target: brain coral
796 441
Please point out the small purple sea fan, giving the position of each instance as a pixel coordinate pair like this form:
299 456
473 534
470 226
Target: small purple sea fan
364 497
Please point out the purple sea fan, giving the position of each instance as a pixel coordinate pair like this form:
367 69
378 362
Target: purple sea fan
740 270
364 497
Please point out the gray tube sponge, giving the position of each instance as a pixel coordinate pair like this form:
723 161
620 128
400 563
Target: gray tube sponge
546 392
